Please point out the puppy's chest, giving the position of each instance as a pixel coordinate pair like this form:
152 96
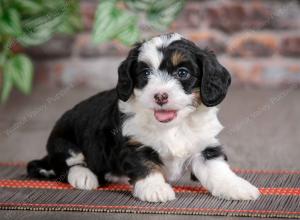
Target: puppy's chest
176 142
174 147
173 143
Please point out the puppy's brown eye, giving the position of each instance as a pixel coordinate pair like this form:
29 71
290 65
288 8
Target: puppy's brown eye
182 73
146 72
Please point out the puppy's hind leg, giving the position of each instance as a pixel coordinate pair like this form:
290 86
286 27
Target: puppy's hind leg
69 163
40 169
212 170
79 176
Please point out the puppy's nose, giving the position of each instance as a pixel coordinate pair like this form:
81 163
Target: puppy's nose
161 98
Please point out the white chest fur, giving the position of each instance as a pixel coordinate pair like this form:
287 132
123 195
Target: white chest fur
175 144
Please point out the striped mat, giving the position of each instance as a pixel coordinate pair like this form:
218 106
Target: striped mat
280 196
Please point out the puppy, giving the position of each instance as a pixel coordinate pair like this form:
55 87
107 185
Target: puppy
159 121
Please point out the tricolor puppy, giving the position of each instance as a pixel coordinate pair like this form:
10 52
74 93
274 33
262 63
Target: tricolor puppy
159 122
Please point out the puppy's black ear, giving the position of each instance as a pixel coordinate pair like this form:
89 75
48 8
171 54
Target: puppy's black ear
125 84
215 79
125 72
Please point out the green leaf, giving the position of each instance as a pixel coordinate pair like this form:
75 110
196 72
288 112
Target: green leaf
162 13
21 70
28 6
130 35
10 23
72 20
35 38
57 4
40 29
2 58
139 5
1 10
6 85
112 22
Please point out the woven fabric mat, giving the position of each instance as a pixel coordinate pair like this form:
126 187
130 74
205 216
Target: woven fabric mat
280 196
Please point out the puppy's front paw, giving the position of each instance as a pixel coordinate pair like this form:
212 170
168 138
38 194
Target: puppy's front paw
236 188
82 178
162 192
151 190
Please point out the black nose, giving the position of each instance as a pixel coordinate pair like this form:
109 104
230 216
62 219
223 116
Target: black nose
161 98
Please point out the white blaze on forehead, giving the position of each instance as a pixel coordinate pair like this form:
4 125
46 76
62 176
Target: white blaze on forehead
149 51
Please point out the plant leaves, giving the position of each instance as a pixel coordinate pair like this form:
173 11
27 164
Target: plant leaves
10 23
1 10
30 22
162 13
28 6
6 85
130 35
2 58
72 19
159 13
21 70
139 5
40 29
112 22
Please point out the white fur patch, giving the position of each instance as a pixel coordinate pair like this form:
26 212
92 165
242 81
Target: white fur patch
216 176
153 189
149 51
116 179
82 178
75 159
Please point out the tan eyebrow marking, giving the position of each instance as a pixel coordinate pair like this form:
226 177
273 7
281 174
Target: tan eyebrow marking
177 58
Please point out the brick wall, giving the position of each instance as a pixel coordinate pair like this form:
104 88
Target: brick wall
257 40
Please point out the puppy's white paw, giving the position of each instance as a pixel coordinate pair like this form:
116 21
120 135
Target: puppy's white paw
82 178
236 188
161 192
153 189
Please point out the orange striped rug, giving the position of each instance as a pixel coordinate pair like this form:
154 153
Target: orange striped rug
280 196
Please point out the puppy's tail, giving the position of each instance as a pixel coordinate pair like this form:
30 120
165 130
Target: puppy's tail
40 168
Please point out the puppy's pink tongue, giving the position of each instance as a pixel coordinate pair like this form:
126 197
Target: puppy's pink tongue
165 115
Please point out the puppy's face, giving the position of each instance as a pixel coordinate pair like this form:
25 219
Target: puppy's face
169 76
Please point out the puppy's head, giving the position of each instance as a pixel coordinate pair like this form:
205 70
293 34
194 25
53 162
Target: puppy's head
169 76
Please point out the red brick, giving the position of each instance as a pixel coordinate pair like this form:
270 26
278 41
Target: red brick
59 46
255 74
294 68
253 44
235 16
42 73
286 15
88 49
290 46
189 16
238 72
211 40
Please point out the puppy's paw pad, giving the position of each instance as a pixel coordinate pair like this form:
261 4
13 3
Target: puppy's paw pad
156 193
239 189
82 178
